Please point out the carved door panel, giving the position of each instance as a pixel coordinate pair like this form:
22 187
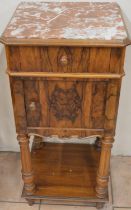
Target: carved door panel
65 107
65 104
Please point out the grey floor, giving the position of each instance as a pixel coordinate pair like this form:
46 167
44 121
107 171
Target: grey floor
11 186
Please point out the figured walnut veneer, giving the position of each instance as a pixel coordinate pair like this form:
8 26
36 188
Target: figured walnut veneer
79 59
66 85
48 103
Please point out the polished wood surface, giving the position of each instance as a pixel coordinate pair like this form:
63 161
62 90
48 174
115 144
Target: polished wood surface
66 88
66 75
68 173
65 170
79 60
104 166
63 104
27 171
69 98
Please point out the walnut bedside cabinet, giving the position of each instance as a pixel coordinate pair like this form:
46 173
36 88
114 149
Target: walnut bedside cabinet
65 65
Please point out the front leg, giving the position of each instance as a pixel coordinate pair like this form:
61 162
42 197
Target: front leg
27 172
103 170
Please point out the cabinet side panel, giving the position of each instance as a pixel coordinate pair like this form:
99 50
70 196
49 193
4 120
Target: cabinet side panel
99 59
13 58
17 91
86 104
30 59
98 104
117 60
111 107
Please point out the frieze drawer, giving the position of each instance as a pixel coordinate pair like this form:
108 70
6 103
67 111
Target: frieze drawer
65 59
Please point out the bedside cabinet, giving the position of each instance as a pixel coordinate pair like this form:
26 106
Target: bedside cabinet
65 65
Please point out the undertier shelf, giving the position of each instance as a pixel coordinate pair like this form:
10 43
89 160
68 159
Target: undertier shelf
65 172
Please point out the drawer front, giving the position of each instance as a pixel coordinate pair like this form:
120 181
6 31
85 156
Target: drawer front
65 105
65 59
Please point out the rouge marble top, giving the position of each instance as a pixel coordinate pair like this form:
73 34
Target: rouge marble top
58 21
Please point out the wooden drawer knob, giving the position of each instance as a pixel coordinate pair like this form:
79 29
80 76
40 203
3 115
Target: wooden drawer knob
64 60
32 106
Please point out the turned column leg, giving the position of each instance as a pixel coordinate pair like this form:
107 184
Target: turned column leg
104 165
27 172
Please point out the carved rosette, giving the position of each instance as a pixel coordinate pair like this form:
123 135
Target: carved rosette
65 104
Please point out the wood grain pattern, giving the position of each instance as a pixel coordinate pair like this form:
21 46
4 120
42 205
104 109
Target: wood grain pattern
43 97
32 103
62 104
17 91
117 60
98 104
104 167
13 58
66 172
86 104
111 106
61 76
95 99
97 56
80 59
27 171
30 59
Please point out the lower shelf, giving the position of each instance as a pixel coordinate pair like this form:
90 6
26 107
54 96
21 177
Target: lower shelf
65 172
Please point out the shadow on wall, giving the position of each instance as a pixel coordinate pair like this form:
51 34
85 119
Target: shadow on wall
7 129
122 144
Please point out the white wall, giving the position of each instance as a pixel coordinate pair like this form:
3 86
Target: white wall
8 141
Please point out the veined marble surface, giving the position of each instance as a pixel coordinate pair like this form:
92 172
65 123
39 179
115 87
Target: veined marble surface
62 20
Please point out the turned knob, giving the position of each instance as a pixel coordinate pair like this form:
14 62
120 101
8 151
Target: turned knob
64 60
32 106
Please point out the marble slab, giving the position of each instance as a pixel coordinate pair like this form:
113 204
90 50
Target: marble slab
67 20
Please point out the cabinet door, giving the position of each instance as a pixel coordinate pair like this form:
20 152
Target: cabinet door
65 107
